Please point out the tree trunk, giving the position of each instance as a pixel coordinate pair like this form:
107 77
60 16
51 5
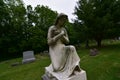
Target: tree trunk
87 44
99 42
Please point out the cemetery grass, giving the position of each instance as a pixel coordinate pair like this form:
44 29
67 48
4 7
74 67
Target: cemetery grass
104 66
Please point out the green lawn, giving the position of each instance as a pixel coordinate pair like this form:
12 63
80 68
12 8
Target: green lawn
104 66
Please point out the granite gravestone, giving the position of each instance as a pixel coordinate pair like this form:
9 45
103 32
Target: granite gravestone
93 52
28 56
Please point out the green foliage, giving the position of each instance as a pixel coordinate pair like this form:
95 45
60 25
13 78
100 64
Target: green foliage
71 33
98 19
38 22
12 20
23 28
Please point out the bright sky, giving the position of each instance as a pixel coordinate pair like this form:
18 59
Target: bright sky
61 6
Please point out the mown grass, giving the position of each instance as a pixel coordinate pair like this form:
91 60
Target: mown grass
30 71
104 66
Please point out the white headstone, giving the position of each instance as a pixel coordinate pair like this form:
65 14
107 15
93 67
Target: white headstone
28 56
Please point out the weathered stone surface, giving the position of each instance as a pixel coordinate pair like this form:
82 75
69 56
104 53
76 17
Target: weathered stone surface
64 58
15 64
77 76
93 52
45 77
28 56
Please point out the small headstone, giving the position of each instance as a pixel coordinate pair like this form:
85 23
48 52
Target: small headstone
118 38
15 64
93 52
45 53
28 56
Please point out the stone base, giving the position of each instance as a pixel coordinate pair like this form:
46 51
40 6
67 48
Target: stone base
28 60
45 77
78 76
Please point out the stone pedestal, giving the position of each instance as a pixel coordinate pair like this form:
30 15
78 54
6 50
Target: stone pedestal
77 76
45 77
